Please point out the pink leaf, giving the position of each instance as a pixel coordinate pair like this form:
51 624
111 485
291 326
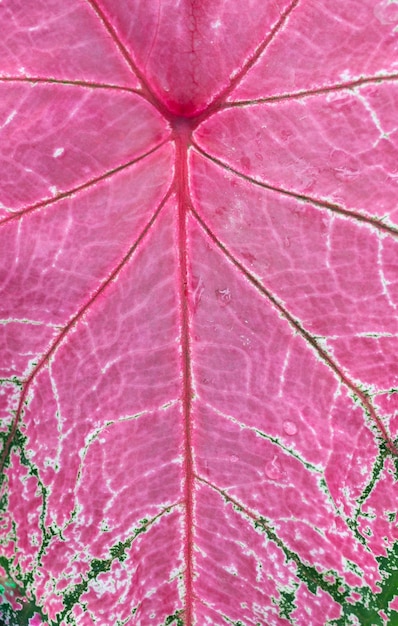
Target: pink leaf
199 312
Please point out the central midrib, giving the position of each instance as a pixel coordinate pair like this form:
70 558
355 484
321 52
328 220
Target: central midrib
181 135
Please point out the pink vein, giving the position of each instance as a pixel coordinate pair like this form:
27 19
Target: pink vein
155 34
78 83
219 99
72 323
147 90
86 579
212 611
232 500
243 509
295 324
258 518
367 80
181 184
322 204
66 194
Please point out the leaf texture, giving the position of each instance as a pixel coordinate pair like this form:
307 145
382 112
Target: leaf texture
198 312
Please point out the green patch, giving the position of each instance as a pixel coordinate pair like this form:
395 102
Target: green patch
3 500
286 603
376 473
10 617
72 597
98 566
13 593
176 619
118 551
19 442
388 567
367 609
13 381
353 567
369 605
396 467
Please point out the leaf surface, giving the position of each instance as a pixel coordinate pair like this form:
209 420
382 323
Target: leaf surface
198 325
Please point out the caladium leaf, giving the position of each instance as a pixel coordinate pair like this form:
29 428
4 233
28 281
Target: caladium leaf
198 326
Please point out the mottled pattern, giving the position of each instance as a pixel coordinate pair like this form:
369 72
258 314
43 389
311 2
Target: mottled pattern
198 313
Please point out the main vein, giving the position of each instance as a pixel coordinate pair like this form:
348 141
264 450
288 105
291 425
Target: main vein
181 184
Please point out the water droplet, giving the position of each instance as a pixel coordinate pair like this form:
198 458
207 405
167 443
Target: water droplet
58 152
286 242
245 341
197 291
223 296
273 470
233 458
290 428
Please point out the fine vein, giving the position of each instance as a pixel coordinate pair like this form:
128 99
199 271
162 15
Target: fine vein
86 185
321 204
63 334
299 329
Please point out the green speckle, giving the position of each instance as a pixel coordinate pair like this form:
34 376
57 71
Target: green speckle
286 603
98 566
396 468
353 567
118 551
175 618
12 590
